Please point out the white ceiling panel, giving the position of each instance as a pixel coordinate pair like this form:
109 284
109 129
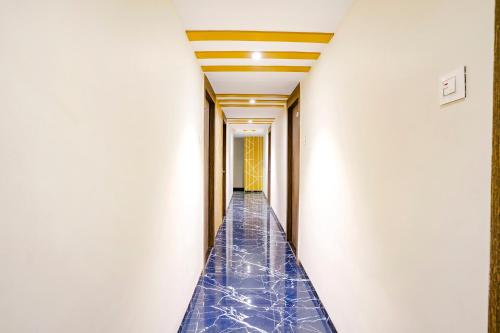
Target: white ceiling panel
252 112
314 16
254 82
247 130
270 15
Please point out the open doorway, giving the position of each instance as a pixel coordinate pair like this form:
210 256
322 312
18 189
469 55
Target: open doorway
293 169
209 166
238 164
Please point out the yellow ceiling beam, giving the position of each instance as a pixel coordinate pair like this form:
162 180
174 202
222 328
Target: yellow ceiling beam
248 55
251 120
259 36
243 122
257 119
247 101
269 96
295 69
251 105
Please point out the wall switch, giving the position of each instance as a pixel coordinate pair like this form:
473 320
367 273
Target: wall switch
452 86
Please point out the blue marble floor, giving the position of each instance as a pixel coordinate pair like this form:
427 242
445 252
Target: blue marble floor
252 282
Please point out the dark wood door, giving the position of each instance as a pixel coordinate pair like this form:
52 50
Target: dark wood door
209 150
293 174
269 167
224 136
494 307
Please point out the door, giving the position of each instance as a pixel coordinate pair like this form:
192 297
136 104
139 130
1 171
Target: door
269 167
254 163
209 149
494 302
224 167
293 169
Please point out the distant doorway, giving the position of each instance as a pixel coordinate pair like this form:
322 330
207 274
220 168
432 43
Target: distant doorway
254 163
293 166
238 164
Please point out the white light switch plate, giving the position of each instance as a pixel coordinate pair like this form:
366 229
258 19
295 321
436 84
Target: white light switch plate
452 86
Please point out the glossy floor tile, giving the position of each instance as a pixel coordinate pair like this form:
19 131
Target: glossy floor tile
252 282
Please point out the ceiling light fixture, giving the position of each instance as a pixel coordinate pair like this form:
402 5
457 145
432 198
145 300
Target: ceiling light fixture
250 121
252 101
256 55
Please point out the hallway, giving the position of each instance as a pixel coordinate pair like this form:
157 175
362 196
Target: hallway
265 166
252 281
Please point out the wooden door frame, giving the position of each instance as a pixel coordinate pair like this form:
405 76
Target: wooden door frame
269 167
224 166
292 102
210 164
494 292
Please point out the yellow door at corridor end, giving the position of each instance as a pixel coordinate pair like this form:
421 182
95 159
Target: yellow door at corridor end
254 160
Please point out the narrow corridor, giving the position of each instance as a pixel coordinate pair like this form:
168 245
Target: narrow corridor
252 282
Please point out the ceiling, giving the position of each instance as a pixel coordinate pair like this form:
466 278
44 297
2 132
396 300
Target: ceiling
266 15
249 130
253 50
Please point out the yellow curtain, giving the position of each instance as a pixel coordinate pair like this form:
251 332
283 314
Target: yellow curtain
254 160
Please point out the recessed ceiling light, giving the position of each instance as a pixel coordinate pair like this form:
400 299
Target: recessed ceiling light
252 101
250 121
256 55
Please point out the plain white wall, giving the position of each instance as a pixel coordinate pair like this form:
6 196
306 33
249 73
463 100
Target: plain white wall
238 166
279 167
395 190
101 107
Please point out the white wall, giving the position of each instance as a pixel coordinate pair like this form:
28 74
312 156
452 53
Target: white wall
279 167
239 160
229 163
101 107
394 201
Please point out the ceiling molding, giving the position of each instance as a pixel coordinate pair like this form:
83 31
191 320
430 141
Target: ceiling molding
296 69
259 36
264 54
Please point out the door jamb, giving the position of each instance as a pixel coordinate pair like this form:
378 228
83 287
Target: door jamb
292 101
210 164
494 290
269 136
224 167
